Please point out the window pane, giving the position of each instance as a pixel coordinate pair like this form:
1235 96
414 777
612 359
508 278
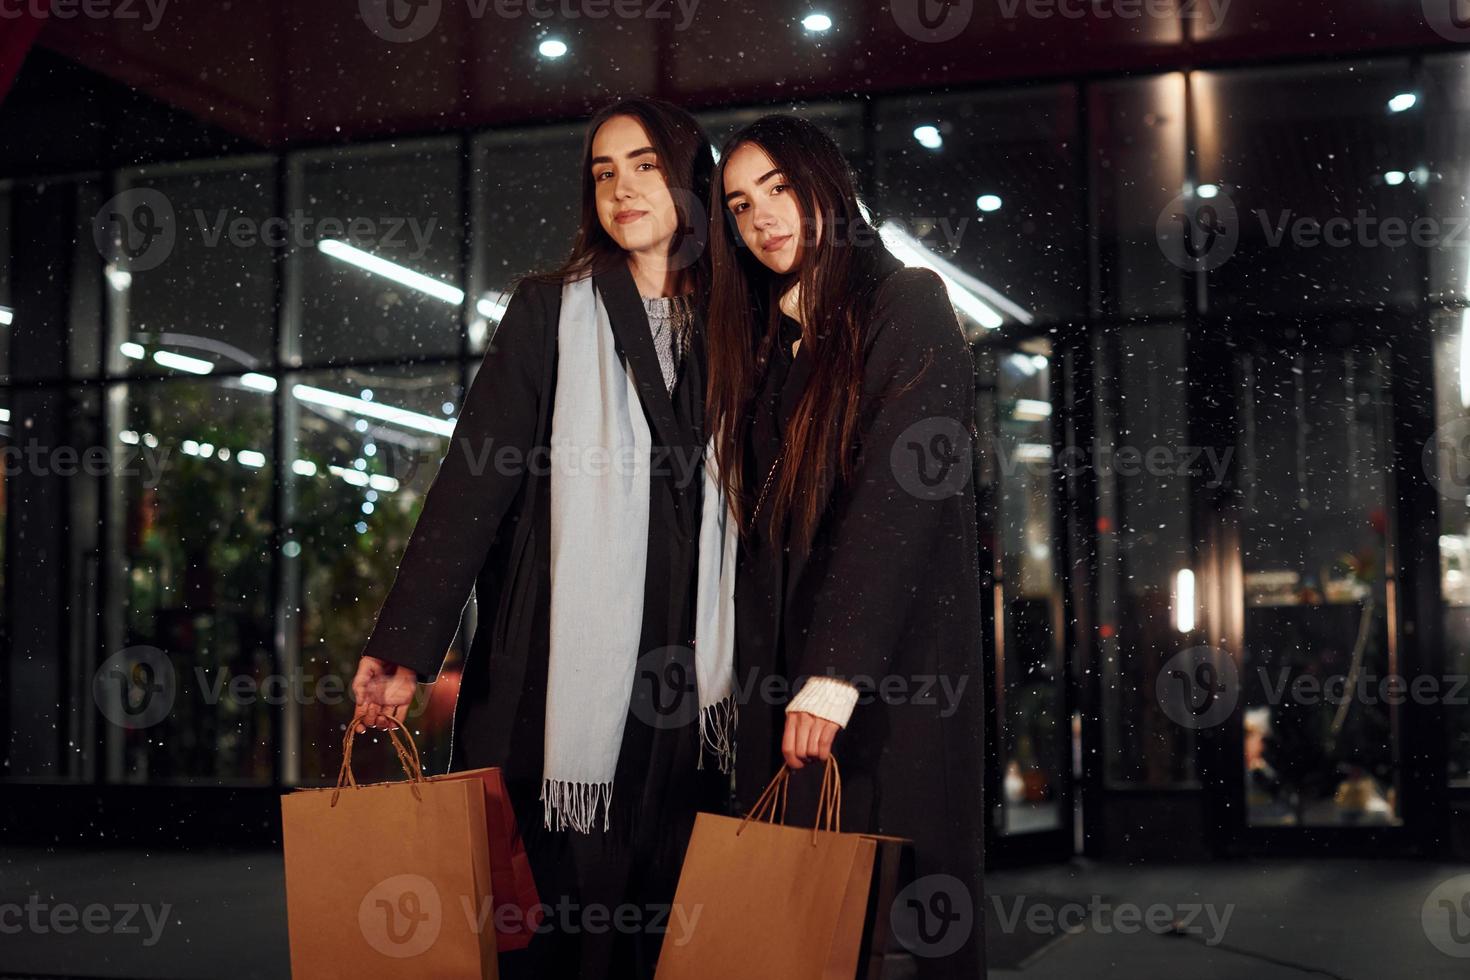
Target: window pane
356 487
7 303
1137 169
1316 487
1447 98
378 272
204 297
1301 164
1452 479
842 122
528 185
985 186
53 473
190 647
1034 766
1143 545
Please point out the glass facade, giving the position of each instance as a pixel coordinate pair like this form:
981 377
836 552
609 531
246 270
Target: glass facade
274 394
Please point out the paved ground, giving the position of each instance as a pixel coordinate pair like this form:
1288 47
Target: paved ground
1263 920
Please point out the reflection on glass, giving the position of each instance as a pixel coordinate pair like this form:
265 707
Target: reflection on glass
193 537
367 446
1447 99
211 300
988 181
527 192
1029 653
1320 719
1299 163
1138 159
1452 445
400 207
1143 541
7 302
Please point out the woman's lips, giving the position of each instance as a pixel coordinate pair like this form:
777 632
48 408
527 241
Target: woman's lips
623 217
775 244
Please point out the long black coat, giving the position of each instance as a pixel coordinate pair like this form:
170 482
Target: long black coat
485 523
889 593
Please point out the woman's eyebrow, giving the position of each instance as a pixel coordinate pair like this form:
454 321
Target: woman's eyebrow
759 181
635 153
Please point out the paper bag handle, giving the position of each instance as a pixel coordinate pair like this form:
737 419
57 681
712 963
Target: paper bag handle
408 757
829 801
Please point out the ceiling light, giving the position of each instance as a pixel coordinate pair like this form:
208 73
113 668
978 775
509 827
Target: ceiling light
928 136
1403 102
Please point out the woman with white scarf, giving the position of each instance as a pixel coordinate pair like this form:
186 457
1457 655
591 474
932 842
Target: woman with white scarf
574 496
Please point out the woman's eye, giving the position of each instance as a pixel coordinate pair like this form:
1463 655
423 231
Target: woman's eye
778 188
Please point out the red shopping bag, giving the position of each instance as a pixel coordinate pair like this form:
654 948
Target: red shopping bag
516 905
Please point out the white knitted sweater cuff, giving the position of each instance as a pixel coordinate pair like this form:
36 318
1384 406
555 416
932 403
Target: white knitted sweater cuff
826 697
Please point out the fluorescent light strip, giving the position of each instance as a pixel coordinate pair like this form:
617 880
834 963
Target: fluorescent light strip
182 362
492 306
1184 600
387 413
965 291
7 316
392 270
1031 409
964 300
259 382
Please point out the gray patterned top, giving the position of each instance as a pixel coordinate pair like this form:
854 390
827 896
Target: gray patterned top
670 319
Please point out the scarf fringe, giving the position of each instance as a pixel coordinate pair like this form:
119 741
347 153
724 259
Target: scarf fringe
575 804
716 729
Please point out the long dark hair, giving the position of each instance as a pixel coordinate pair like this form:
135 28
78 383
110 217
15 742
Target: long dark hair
685 157
838 273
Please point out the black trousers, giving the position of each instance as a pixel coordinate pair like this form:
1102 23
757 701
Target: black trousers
608 894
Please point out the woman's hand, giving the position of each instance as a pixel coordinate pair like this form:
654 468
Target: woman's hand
807 737
382 688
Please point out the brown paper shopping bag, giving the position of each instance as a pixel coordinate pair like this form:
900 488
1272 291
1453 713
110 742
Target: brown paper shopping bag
517 905
759 899
388 880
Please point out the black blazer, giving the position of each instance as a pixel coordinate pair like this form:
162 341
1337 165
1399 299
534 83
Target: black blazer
485 523
888 592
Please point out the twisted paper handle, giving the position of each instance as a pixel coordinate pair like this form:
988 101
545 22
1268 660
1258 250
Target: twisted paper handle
407 756
829 801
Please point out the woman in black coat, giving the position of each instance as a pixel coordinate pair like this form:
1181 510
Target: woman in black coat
841 402
486 522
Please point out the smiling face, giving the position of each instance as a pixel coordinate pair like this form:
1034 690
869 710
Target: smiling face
765 208
633 200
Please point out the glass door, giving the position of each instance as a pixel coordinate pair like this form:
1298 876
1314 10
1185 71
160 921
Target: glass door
1320 715
1023 546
